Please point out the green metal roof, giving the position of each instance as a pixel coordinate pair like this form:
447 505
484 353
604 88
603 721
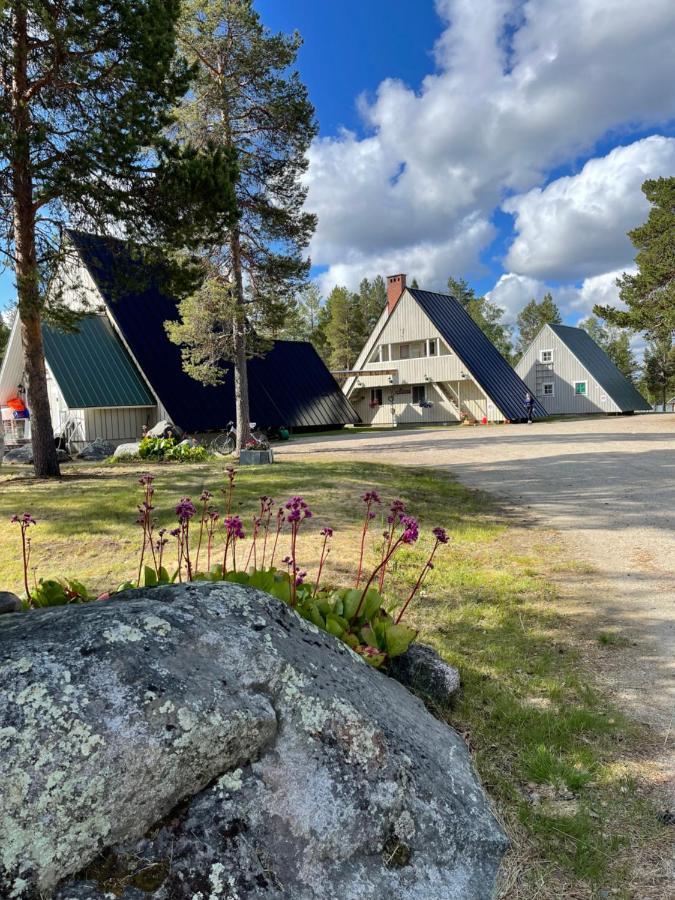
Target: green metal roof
92 367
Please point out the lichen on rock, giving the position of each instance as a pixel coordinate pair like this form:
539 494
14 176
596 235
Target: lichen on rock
262 758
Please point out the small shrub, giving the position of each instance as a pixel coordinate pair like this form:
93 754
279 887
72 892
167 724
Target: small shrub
161 449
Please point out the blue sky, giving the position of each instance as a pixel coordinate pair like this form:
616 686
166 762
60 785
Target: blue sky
501 141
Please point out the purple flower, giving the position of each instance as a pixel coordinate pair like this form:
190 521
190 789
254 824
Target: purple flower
397 509
327 532
297 510
230 472
370 497
175 533
287 561
234 527
441 535
186 510
146 479
205 496
213 514
411 529
25 520
300 578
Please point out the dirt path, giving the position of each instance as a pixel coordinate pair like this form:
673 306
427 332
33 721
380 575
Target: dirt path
608 487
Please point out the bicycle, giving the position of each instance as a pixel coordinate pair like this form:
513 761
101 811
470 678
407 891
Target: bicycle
225 443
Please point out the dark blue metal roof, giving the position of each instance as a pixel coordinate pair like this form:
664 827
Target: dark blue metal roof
289 386
480 356
594 359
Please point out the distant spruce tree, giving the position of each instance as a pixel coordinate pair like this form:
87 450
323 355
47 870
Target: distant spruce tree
86 89
343 328
532 318
658 371
372 301
615 342
487 315
248 99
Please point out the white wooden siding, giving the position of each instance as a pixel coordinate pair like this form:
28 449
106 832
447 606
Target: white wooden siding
118 425
563 371
444 375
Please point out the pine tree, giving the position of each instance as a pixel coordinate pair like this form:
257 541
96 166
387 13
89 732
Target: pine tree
649 295
343 328
85 89
373 299
487 315
615 342
659 371
532 318
247 98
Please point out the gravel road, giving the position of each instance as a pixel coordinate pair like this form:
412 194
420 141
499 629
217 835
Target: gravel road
606 485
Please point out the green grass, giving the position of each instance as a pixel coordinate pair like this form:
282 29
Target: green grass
612 639
559 762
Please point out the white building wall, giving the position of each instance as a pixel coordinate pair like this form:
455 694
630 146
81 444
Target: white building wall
118 425
445 377
563 372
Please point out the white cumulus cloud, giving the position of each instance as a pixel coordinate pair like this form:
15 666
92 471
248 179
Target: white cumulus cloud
576 226
519 88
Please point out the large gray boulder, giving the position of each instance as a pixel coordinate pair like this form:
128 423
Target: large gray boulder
202 741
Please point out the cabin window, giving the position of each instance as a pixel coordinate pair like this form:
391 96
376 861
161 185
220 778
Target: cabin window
547 356
580 388
419 394
375 355
376 396
384 352
404 351
432 347
548 389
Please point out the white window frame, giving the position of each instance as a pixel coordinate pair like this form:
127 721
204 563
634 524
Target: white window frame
546 384
541 355
585 391
432 342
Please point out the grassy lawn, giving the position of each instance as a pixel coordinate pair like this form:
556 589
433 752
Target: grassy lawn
565 769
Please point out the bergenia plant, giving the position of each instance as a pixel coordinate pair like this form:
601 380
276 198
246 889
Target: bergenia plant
409 532
145 520
205 500
396 510
326 534
234 531
185 511
296 513
25 521
371 500
281 518
229 490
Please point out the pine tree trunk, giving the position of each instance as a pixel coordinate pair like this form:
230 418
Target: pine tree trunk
45 459
243 415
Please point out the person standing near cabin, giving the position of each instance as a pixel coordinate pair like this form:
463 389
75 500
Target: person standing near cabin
529 406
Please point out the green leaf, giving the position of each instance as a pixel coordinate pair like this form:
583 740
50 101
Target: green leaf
149 577
335 626
351 601
164 577
399 638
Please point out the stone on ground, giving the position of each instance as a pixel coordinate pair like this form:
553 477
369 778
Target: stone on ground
24 454
165 429
202 741
127 450
97 451
423 670
9 602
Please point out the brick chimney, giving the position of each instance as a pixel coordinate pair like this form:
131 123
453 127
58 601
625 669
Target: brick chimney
395 287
